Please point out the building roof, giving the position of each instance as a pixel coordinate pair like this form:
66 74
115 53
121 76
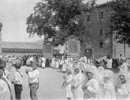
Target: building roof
22 45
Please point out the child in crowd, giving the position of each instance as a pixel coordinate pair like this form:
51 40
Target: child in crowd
18 80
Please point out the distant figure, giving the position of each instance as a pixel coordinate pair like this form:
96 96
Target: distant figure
33 77
109 62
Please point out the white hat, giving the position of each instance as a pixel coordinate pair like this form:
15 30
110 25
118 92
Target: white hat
91 69
126 74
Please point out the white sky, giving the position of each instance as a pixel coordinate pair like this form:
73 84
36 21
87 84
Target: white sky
13 14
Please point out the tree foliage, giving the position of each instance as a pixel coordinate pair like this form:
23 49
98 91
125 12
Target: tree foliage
120 21
58 18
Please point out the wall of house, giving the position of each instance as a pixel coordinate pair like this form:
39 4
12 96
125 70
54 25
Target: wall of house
93 28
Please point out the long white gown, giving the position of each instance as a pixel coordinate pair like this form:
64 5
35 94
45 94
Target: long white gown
43 62
92 89
69 80
78 81
109 91
108 86
123 92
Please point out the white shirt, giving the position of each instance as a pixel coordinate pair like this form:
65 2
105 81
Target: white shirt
33 76
18 77
109 63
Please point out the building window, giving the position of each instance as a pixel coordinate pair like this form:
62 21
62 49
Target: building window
101 15
101 44
101 32
88 18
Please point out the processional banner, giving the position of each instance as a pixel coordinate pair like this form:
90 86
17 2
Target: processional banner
73 46
48 50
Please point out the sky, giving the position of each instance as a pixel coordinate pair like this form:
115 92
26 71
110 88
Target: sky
13 14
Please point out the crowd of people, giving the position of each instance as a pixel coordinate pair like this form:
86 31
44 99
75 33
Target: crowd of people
7 84
97 79
84 79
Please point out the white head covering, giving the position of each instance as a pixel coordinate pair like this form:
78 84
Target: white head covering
93 70
127 77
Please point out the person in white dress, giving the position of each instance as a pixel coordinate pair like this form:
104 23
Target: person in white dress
53 63
64 66
67 84
43 62
109 62
91 87
77 84
124 65
123 88
108 86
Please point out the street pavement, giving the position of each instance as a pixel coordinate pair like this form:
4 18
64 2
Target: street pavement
50 84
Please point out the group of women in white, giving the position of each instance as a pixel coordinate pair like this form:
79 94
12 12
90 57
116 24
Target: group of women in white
84 81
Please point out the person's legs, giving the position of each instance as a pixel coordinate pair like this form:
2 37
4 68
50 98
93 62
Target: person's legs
18 90
33 91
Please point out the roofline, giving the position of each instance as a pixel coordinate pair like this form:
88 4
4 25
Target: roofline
104 4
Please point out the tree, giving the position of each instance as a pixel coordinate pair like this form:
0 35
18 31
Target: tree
58 18
120 21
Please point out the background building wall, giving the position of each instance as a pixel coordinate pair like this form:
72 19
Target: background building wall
94 27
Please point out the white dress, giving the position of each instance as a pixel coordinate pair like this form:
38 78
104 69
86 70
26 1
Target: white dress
93 88
109 91
43 62
124 67
64 67
69 80
123 92
78 92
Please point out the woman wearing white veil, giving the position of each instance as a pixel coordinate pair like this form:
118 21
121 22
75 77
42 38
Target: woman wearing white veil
91 87
100 80
123 87
77 84
108 86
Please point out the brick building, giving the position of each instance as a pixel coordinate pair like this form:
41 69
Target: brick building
97 26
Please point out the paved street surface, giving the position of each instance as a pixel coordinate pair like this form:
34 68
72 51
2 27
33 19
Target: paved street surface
50 85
